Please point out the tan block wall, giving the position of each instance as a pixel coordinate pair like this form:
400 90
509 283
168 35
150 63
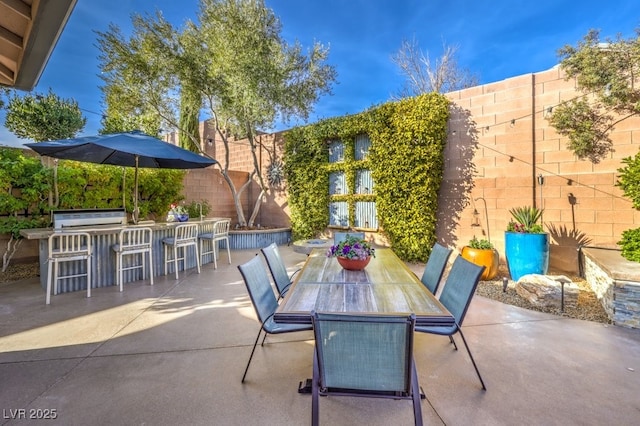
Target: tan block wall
500 141
208 184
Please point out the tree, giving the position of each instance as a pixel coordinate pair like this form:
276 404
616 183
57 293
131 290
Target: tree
44 118
424 76
235 58
605 73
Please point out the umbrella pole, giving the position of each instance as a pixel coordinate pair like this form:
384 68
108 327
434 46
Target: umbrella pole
136 212
124 194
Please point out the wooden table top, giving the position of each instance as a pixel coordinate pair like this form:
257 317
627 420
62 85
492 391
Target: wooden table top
386 285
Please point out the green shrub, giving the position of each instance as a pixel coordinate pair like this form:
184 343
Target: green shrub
631 244
629 181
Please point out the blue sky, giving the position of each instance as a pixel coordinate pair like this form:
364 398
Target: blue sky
497 39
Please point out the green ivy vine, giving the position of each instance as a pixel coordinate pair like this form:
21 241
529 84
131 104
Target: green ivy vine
406 160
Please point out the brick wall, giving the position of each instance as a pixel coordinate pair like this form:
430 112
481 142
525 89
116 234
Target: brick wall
500 142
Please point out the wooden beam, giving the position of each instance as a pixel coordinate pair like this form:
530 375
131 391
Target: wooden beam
19 7
11 38
7 74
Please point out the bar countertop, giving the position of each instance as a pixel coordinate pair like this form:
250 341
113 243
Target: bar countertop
44 233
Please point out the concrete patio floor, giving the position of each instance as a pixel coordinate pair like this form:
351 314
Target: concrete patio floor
174 353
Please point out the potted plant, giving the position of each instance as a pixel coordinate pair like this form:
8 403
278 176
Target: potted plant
483 253
353 253
526 243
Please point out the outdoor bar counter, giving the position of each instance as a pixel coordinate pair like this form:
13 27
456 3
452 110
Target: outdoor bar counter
103 261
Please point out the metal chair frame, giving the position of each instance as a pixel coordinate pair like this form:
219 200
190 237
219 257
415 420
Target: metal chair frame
133 241
367 355
434 269
278 269
67 247
213 232
264 302
185 235
456 296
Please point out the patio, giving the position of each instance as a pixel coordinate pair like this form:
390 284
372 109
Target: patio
174 353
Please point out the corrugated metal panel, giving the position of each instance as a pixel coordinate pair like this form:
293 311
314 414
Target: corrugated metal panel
337 183
339 214
364 182
363 143
252 240
366 215
103 263
336 151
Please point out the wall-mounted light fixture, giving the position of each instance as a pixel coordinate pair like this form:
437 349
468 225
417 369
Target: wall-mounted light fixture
540 180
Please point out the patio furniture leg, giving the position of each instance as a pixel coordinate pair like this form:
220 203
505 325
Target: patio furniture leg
417 396
251 356
454 342
315 391
472 360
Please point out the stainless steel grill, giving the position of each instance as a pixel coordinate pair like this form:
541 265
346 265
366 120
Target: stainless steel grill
91 217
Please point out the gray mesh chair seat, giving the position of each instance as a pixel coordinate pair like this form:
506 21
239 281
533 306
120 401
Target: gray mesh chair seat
264 302
278 269
364 355
435 266
456 296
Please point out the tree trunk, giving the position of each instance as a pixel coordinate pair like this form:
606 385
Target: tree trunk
12 248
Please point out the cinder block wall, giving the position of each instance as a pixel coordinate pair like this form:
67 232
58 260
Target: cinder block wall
500 142
208 184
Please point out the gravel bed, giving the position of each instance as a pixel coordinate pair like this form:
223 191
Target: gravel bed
588 307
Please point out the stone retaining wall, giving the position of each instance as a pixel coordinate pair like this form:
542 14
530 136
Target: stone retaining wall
616 283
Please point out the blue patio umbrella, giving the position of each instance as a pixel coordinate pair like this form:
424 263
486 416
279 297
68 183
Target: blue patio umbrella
129 149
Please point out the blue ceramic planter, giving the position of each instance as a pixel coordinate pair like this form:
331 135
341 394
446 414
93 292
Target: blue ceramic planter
526 253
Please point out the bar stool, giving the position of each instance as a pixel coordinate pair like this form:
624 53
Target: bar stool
67 247
185 235
133 241
212 233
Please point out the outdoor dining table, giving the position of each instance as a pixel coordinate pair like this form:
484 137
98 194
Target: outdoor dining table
385 286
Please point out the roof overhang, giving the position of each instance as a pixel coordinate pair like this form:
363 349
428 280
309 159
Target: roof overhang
29 30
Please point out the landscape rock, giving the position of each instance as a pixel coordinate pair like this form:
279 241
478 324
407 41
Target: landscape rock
546 290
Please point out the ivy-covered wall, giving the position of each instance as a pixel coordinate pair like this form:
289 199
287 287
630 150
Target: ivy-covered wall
406 161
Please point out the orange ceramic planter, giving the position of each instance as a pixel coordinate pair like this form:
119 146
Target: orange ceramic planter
488 258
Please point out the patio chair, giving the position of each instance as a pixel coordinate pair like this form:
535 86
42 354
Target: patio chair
185 235
364 355
264 302
456 296
338 237
133 241
213 232
68 247
278 269
435 266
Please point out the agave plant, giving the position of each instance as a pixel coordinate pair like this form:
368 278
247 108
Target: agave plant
525 220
